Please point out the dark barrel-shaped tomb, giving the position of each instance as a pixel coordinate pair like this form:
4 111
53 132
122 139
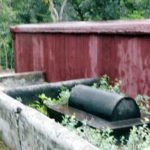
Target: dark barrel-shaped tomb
108 105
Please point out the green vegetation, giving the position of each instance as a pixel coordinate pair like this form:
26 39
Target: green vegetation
139 137
103 83
62 98
44 101
36 11
39 106
143 102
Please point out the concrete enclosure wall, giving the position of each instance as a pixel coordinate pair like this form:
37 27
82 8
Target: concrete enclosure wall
23 128
74 50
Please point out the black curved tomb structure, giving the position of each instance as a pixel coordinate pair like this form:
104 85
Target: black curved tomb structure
107 105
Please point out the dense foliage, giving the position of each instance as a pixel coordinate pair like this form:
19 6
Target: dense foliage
35 11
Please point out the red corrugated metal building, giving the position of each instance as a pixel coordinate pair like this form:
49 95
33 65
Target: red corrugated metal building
71 50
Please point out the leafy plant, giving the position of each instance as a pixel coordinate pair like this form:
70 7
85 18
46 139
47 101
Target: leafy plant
62 98
69 121
139 137
144 103
39 107
104 84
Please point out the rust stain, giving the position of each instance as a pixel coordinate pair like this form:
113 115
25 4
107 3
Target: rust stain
93 53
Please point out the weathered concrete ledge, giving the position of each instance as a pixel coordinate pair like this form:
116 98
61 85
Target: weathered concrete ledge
24 128
9 121
30 93
21 79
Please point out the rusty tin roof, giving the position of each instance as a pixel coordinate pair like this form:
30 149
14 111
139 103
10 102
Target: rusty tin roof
104 27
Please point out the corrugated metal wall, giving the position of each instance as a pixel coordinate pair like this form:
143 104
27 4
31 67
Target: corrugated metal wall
70 54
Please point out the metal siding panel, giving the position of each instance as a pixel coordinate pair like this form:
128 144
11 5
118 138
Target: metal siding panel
72 56
124 58
49 61
38 52
24 53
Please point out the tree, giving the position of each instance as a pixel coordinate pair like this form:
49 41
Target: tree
35 11
56 12
7 15
30 11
